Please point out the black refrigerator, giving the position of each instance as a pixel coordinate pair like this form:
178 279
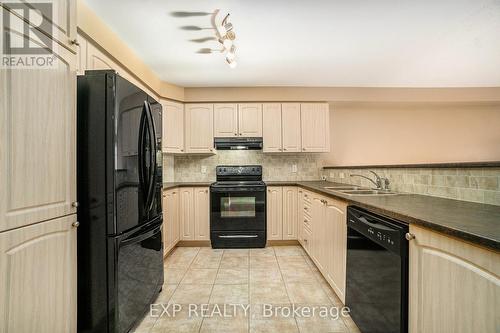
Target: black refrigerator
119 171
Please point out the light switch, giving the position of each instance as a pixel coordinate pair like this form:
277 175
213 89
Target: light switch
294 168
341 175
203 169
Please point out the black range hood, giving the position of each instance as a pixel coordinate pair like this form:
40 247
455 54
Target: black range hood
238 143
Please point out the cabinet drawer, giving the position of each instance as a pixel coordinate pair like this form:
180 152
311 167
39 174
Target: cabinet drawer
306 239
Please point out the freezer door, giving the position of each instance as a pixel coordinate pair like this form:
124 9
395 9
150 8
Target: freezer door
139 275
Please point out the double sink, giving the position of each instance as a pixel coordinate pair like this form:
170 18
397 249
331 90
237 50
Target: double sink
357 190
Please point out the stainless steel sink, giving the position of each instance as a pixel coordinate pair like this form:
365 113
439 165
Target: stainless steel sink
342 188
368 192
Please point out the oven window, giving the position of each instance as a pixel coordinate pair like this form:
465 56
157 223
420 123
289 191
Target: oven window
237 207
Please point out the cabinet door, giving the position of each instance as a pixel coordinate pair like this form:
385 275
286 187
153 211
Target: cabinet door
38 142
186 211
173 127
175 227
250 120
454 286
290 115
317 224
202 213
199 128
225 120
38 277
271 127
58 22
81 55
274 213
315 124
290 212
170 219
335 245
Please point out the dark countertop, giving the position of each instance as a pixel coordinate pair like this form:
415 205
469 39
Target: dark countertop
169 185
473 222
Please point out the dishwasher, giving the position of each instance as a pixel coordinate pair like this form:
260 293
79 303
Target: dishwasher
377 272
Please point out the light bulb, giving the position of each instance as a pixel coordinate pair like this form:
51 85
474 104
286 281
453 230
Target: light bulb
222 30
230 56
227 44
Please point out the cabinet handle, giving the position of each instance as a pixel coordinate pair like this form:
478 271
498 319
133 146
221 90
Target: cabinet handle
75 224
284 148
409 236
75 204
174 192
206 191
74 42
303 149
164 195
182 149
236 134
305 221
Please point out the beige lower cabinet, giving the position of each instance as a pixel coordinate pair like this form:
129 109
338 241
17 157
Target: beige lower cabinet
194 210
454 286
274 208
170 219
201 213
38 277
282 215
327 241
186 211
290 213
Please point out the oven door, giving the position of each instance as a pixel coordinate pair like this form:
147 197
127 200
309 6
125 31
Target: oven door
238 208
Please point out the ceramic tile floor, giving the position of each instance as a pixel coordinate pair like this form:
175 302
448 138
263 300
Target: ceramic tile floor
255 278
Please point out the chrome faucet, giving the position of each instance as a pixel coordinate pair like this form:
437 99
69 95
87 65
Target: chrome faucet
381 183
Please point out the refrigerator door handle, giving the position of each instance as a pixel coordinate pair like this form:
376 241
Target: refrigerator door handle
142 236
142 163
152 156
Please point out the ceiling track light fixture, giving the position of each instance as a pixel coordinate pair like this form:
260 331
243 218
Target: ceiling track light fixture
224 33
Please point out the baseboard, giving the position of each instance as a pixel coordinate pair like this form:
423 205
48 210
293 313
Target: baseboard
193 243
282 242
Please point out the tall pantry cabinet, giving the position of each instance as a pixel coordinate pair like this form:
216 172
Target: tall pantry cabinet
38 177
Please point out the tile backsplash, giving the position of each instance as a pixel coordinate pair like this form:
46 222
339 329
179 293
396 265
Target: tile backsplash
470 184
274 166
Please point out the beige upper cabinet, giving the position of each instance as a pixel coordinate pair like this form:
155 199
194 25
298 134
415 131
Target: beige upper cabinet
56 18
250 120
226 120
274 213
271 128
199 128
173 127
290 213
315 126
290 124
201 213
454 286
38 277
37 142
186 211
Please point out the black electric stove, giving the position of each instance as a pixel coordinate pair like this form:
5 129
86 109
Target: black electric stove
238 207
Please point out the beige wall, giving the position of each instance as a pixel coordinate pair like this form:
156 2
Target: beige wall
401 133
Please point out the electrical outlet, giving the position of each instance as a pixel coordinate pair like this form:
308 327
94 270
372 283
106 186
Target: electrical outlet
203 169
342 175
294 168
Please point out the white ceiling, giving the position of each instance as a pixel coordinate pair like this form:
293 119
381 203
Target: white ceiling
349 43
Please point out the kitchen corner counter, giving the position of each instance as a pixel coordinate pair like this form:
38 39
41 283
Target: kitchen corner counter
170 185
473 222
